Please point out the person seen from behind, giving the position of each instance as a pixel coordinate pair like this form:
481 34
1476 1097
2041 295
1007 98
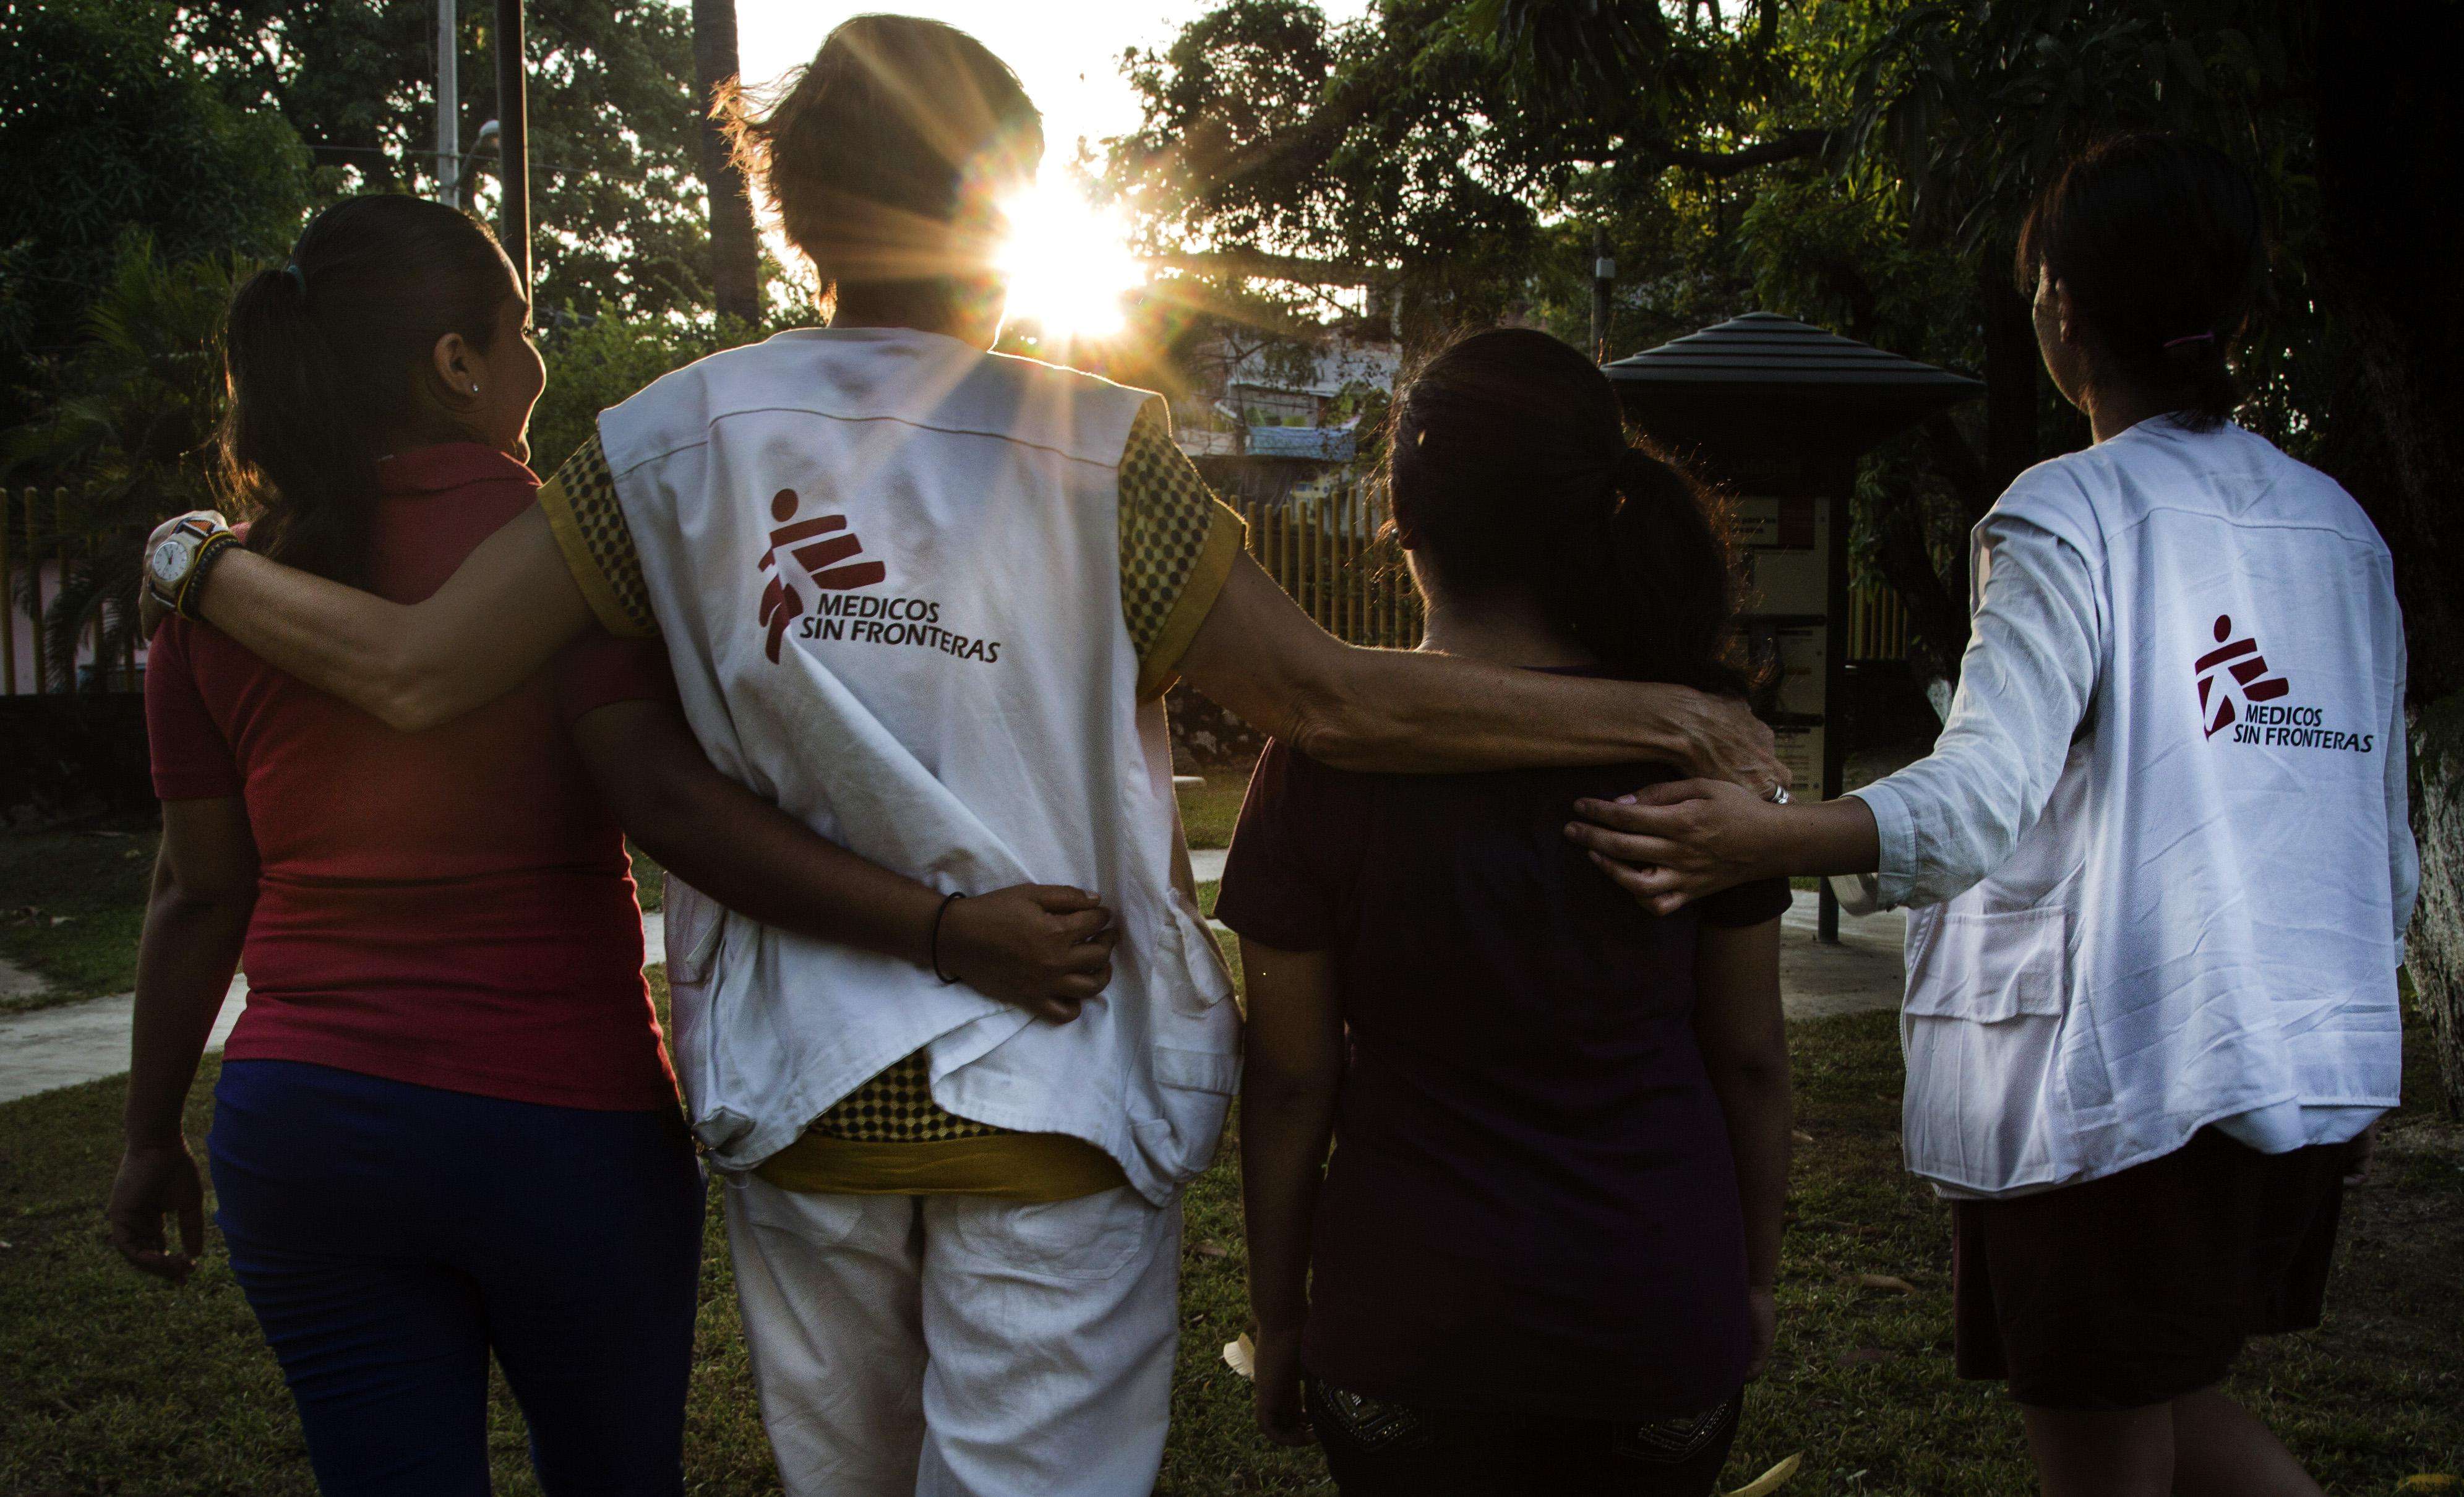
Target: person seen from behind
2159 867
1542 1258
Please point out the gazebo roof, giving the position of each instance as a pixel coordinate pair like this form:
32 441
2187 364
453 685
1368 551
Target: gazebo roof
1762 376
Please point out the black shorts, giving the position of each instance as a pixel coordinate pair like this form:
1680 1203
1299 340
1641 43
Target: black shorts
2140 1287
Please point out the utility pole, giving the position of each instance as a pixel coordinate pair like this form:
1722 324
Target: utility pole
1603 271
448 104
513 143
734 249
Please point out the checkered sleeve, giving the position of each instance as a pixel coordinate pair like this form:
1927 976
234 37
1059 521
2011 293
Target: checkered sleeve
1177 545
589 526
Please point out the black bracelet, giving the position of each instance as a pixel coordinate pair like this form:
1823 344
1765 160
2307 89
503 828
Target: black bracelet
207 553
946 902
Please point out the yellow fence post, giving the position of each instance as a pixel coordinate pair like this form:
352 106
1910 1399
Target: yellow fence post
34 586
8 607
60 555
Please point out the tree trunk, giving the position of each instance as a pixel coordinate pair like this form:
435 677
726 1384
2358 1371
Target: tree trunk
2388 279
735 251
2434 957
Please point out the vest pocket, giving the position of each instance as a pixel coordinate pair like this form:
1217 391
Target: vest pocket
1982 1030
696 926
1203 979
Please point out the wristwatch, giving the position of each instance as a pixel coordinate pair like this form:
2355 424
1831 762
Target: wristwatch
179 561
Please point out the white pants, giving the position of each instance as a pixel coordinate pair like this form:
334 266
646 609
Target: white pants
953 1346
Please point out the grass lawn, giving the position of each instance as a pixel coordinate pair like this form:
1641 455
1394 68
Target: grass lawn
1209 812
71 906
114 1383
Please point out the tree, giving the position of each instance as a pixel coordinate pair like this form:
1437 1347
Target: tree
132 415
614 130
734 249
105 124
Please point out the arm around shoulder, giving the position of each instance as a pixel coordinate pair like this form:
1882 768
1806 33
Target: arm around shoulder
495 621
1259 655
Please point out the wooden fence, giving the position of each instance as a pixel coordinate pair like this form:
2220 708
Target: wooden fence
1878 624
35 531
1328 555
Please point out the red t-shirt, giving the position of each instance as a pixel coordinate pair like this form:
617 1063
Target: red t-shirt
450 908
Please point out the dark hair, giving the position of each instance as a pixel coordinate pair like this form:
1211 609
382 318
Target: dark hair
882 156
1509 466
2158 240
328 358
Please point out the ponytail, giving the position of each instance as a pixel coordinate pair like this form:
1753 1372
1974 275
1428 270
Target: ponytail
1648 590
1508 467
328 362
290 439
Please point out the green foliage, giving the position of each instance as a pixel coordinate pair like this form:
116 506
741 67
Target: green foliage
613 125
131 417
593 365
105 124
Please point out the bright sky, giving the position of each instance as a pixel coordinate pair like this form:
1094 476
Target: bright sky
1067 54
1069 266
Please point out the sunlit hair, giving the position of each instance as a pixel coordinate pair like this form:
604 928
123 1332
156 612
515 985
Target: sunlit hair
885 157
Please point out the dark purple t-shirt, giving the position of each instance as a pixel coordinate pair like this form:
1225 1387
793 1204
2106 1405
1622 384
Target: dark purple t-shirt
1531 1202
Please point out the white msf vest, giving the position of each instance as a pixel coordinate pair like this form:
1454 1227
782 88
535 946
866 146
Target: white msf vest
886 567
2202 924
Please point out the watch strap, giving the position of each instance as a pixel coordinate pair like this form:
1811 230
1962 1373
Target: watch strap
193 587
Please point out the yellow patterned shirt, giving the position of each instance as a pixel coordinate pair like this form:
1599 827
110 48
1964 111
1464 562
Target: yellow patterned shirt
1177 546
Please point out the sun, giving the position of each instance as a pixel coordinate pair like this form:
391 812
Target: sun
1068 262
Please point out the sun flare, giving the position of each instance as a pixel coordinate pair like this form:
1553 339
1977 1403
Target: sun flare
1068 262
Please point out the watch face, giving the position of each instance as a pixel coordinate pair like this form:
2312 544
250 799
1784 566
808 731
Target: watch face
171 559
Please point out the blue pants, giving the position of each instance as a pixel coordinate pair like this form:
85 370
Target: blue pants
390 1236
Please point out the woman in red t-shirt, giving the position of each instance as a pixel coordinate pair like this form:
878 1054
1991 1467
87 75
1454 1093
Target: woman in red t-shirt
445 1125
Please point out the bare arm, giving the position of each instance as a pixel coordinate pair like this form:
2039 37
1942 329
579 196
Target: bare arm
1259 655
196 920
1292 1069
1738 1023
1044 948
411 665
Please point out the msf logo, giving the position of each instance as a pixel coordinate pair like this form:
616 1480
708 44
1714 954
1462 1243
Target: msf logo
2240 659
813 546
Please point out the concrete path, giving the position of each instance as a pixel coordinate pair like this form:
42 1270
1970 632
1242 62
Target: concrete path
77 1042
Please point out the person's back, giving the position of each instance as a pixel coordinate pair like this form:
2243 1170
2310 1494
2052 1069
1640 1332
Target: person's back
1541 1259
1531 1202
911 570
445 1134
2239 752
454 907
2160 862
